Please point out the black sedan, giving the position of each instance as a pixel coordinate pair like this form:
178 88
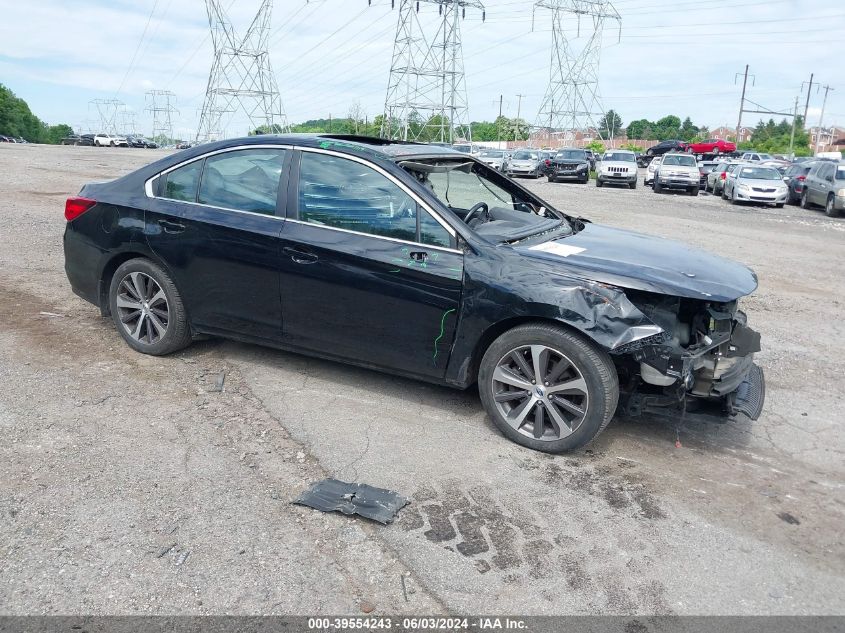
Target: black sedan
664 147
420 262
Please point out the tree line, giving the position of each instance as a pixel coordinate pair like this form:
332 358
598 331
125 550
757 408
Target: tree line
18 121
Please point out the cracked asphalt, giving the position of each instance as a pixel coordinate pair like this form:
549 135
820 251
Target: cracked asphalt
132 484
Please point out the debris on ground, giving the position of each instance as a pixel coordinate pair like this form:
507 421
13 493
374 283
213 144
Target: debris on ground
331 495
218 384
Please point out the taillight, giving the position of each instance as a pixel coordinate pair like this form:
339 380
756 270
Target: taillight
802 178
548 162
74 207
724 173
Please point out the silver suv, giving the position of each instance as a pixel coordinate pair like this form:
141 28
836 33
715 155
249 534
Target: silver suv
678 171
825 186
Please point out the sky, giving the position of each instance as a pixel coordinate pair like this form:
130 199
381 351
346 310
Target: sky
669 57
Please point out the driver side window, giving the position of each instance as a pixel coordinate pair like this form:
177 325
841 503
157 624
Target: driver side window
346 194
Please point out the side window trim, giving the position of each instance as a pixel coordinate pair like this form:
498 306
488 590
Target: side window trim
293 201
154 185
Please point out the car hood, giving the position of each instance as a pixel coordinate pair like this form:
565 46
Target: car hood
765 184
643 262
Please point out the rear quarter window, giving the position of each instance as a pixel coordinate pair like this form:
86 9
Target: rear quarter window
181 183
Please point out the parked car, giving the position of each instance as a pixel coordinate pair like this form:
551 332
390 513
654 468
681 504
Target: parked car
794 178
753 183
666 146
825 186
5 139
467 148
493 157
75 139
756 157
546 157
109 140
414 261
149 144
617 167
591 156
651 170
525 162
713 146
187 145
677 171
715 181
569 164
704 168
135 141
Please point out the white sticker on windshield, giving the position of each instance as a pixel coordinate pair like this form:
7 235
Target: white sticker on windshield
564 250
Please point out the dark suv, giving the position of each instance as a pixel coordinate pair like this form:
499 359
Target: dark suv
825 186
794 177
422 262
667 146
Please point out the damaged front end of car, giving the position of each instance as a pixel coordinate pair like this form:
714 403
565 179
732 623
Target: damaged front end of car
703 361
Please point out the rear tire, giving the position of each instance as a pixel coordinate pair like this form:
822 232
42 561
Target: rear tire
147 309
805 203
830 208
533 417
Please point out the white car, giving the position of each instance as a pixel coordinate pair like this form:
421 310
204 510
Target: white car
651 170
751 183
467 148
756 157
107 140
618 166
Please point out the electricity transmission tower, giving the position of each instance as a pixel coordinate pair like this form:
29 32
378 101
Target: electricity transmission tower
426 93
160 106
241 77
107 113
572 101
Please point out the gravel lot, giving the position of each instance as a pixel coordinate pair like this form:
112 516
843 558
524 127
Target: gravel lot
128 485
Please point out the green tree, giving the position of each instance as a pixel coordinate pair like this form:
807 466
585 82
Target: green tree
640 129
596 146
610 125
688 131
669 127
16 119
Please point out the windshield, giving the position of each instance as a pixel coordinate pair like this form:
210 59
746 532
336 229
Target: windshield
622 157
759 173
503 212
685 161
570 154
524 156
492 154
464 149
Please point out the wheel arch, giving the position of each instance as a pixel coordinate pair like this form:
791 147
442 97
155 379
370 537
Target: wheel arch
498 328
112 264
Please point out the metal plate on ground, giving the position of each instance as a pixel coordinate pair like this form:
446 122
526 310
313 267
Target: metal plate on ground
331 495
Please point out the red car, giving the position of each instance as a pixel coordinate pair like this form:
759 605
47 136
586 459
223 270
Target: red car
712 146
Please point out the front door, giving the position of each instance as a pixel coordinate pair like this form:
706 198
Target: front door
367 273
215 223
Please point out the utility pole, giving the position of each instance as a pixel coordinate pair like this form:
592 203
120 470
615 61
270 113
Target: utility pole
821 119
741 102
807 103
516 123
792 135
499 123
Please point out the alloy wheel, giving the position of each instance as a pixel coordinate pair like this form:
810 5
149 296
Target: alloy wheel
142 307
540 392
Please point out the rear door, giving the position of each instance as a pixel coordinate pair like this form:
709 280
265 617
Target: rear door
215 223
368 272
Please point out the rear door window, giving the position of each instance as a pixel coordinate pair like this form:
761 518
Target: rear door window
243 180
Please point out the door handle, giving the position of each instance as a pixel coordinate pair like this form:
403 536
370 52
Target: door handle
419 256
171 227
300 256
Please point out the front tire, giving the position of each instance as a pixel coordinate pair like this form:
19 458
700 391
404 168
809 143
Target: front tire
599 183
571 402
633 185
657 186
147 309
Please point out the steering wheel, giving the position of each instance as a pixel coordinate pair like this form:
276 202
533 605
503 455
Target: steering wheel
475 210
